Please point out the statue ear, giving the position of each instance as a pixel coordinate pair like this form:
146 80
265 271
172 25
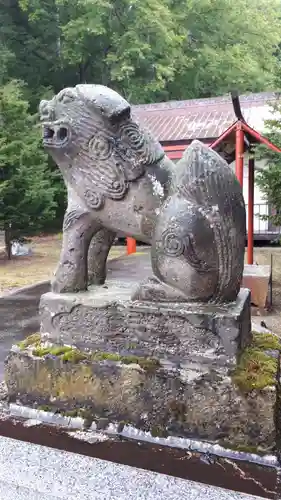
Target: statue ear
120 116
108 102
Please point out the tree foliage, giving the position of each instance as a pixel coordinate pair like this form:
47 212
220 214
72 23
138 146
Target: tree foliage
26 193
227 46
148 50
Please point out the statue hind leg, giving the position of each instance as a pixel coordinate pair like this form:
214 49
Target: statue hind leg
97 255
183 256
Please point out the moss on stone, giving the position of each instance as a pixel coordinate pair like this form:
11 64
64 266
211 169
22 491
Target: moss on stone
256 369
122 424
145 363
70 413
74 356
266 341
159 431
53 350
100 356
243 448
46 408
33 339
178 410
149 364
84 413
102 423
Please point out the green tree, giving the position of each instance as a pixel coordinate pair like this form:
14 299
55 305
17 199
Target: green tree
26 191
30 43
147 49
134 46
229 45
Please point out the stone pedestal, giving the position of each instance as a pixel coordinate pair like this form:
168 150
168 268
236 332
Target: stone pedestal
170 369
106 319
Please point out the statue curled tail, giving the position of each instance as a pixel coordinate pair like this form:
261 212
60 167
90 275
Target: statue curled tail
199 240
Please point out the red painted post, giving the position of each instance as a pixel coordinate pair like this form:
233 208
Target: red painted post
251 188
239 153
131 246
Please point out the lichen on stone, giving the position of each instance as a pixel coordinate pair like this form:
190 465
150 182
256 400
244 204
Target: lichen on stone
256 368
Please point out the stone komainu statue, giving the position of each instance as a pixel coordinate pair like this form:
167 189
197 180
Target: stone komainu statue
119 180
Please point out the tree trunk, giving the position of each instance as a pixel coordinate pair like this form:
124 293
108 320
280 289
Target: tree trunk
8 243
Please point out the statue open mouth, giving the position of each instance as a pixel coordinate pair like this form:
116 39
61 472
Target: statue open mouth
55 135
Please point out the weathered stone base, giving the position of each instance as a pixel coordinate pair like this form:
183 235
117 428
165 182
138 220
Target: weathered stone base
144 392
105 318
167 368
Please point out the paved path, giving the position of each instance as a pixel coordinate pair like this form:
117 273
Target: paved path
18 318
32 472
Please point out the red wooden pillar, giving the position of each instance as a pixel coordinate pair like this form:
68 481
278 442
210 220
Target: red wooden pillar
239 153
251 183
131 246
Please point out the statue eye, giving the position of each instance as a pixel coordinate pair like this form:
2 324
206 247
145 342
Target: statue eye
66 96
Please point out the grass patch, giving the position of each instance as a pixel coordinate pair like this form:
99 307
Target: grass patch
22 271
256 369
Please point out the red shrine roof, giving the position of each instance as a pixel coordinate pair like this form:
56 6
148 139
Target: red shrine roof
204 119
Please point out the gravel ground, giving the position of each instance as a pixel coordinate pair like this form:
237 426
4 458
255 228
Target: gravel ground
32 472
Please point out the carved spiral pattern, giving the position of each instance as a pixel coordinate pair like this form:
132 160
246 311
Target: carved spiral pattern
173 244
141 143
71 218
116 189
94 200
100 147
131 133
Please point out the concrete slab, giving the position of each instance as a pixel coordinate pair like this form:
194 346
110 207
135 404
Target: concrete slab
257 279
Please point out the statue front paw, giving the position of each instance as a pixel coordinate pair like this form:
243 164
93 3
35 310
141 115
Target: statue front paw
68 280
153 290
96 279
